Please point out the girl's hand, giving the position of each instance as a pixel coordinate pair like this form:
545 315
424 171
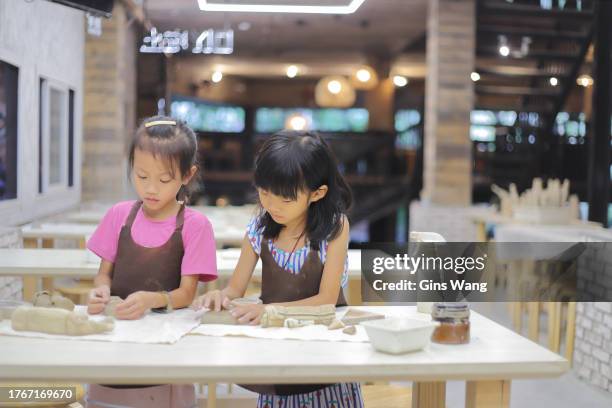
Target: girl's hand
134 306
213 300
97 299
248 314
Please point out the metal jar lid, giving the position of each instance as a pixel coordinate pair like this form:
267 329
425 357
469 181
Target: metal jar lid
450 310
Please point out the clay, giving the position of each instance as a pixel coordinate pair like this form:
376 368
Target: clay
350 330
246 301
355 316
109 310
293 323
57 321
222 317
275 316
55 299
335 325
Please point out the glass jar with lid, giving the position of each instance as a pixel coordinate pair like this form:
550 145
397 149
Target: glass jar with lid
454 319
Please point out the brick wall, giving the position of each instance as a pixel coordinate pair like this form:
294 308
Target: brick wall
593 350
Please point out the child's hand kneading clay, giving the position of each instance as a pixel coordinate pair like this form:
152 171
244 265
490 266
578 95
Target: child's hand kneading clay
98 298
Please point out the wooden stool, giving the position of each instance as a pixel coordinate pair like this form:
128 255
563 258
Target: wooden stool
386 395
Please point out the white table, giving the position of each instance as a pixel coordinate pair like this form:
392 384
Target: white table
33 264
495 356
225 235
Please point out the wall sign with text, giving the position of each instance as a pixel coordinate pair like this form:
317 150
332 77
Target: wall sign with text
171 42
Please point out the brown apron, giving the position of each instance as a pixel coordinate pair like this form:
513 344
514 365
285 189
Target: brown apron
149 269
279 286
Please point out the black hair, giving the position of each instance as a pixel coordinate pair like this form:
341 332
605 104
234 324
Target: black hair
291 161
173 141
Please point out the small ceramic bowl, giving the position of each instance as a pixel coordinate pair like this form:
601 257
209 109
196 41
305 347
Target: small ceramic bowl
397 335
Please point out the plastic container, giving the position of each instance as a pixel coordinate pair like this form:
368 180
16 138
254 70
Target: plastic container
397 335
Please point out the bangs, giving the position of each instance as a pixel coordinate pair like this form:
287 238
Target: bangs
169 151
281 176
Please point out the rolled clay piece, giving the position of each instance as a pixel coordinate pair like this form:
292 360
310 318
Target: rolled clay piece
55 299
350 330
356 316
109 310
222 317
57 321
294 323
275 316
335 325
247 301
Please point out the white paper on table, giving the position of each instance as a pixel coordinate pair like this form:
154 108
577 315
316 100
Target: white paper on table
159 328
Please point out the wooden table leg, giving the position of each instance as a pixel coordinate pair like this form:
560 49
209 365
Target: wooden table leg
354 292
487 394
533 309
47 283
570 333
554 326
481 231
429 395
30 286
211 401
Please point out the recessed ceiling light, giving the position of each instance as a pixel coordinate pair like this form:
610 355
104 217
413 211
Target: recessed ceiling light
553 81
301 6
475 76
504 50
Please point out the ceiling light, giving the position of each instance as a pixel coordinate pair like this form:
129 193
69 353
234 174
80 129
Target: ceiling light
553 81
584 80
244 26
301 6
400 81
217 76
363 75
334 87
475 76
292 71
296 122
504 50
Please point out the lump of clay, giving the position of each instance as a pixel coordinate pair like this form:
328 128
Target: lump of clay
356 316
57 321
335 325
109 310
350 330
55 299
275 316
222 317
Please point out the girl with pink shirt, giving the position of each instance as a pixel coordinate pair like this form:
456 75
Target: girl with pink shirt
153 250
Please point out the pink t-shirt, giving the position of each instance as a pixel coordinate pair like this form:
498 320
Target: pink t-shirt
198 238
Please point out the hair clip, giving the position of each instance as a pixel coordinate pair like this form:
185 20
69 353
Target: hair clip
159 122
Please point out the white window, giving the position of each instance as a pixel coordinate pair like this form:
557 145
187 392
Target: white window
54 160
